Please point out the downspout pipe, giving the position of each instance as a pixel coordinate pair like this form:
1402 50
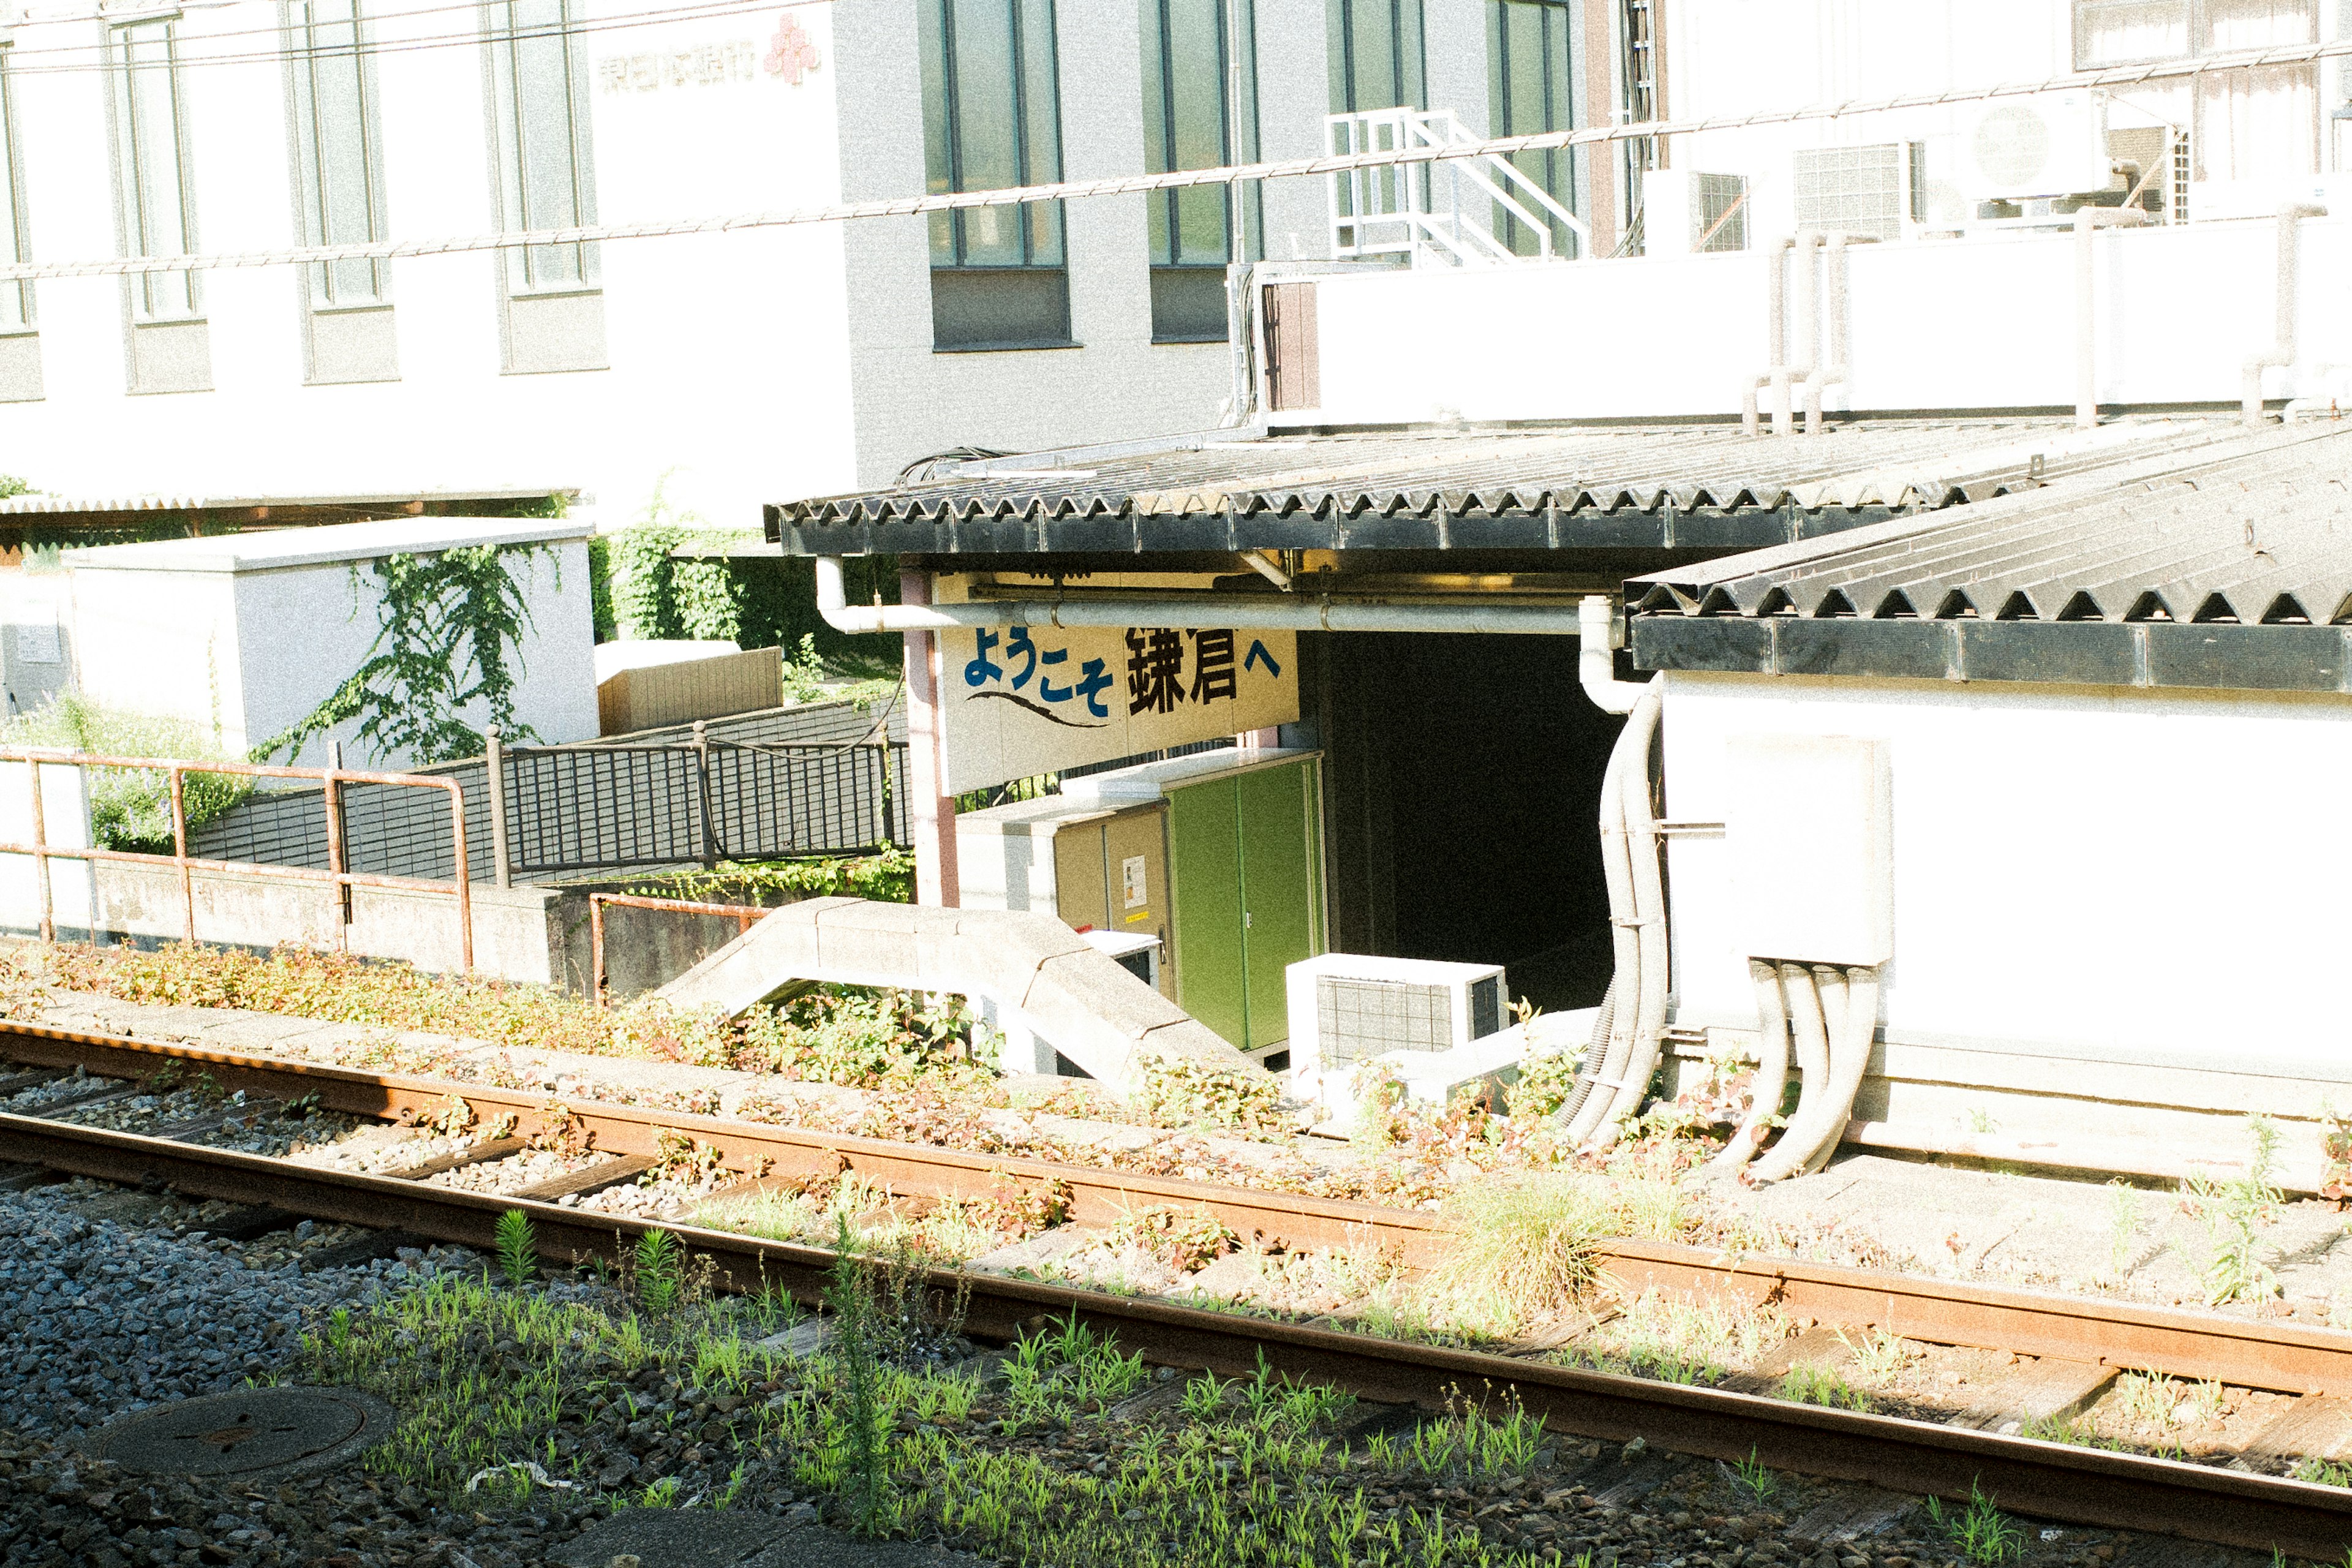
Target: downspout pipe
1804 335
1289 612
1832 368
1776 317
2088 221
2282 350
1648 1021
1596 663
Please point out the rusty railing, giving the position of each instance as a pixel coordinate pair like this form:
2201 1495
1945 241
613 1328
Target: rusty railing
742 914
337 874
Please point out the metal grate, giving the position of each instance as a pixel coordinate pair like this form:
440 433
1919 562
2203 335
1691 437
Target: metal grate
1359 1018
1869 191
1486 1006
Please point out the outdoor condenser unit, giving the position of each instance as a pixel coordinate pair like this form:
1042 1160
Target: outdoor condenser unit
1875 192
2051 144
1345 1009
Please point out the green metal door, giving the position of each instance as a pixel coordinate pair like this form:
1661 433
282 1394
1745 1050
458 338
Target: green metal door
1206 871
1278 893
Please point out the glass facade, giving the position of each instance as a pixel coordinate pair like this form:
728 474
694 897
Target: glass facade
1188 88
546 170
156 205
1531 85
991 119
1375 53
337 163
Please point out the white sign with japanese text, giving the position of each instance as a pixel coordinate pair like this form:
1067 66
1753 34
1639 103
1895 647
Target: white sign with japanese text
1018 700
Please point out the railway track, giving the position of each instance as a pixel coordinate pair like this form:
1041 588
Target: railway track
2050 1481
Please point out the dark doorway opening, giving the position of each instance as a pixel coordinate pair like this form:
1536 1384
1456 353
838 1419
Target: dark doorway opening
1461 798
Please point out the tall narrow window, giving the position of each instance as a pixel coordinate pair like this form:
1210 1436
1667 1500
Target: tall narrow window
1189 122
339 171
1375 53
546 175
155 200
1531 58
15 245
991 119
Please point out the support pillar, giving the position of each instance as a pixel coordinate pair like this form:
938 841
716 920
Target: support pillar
931 815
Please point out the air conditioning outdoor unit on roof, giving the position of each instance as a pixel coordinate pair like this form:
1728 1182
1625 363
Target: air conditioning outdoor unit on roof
1346 1008
2050 144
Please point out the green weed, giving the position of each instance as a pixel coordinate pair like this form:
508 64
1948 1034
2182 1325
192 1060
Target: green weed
1980 1532
1819 1386
518 1248
660 1271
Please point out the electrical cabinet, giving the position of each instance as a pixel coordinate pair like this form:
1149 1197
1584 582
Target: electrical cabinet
1095 866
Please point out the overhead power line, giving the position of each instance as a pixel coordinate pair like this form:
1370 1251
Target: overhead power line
1128 184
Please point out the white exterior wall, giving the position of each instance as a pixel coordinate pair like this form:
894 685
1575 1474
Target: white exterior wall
1935 325
245 654
746 367
2148 875
727 353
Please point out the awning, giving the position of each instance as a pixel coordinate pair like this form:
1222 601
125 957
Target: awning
1704 488
2232 568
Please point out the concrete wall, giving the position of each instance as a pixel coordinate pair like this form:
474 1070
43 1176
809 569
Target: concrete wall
1946 325
2141 877
245 655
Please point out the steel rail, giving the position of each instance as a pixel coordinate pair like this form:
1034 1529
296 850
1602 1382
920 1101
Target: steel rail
2048 1480
2132 1336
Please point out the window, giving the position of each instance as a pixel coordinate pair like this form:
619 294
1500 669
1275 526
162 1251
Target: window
1531 59
339 175
2243 124
546 175
1375 52
152 183
1188 124
991 118
15 245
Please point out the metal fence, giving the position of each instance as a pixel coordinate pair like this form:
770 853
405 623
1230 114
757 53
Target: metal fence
820 779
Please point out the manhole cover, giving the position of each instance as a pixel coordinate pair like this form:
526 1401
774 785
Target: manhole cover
257 1431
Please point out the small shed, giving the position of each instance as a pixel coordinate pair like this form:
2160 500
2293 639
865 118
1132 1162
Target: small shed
247 636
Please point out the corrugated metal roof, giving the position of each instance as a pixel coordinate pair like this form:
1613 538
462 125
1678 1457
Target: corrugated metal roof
2233 570
1887 464
104 505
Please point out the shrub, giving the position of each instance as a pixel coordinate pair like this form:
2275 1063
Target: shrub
130 808
1180 1091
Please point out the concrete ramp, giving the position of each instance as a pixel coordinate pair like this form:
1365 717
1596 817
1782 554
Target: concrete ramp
1036 971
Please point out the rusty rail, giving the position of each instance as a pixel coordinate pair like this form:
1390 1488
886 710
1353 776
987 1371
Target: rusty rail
2048 1480
336 875
742 914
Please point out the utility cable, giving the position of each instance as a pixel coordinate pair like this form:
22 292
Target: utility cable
1128 184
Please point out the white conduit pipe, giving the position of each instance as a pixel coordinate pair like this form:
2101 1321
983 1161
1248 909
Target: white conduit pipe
2282 352
1772 1081
1834 369
1649 995
1849 1057
2088 221
1278 613
1621 1074
1804 336
1776 334
1812 1044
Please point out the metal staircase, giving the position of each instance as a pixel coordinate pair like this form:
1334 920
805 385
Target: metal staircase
1436 214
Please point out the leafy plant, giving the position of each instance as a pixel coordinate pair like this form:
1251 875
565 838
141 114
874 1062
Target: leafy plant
2231 1214
1205 1396
865 1435
448 627
1179 1090
1546 1081
518 1248
1754 1477
887 877
1980 1532
1186 1240
660 1271
130 808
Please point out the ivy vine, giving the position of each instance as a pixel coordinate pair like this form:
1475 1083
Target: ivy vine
448 625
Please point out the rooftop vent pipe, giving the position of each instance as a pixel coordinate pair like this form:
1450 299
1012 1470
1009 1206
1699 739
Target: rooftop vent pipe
1776 334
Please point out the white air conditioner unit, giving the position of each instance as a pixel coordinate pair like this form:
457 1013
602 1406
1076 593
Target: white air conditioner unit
1346 1009
2050 144
1875 192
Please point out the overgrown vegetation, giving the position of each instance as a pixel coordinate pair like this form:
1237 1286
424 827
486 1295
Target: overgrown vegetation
1525 1247
864 1040
2232 1215
448 638
887 877
130 808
